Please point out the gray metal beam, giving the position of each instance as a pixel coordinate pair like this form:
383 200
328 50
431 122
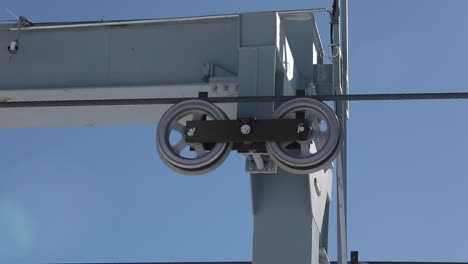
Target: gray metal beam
126 54
95 115
123 59
289 212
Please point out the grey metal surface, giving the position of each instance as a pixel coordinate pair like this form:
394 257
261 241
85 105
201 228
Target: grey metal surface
259 163
282 216
288 211
304 44
230 99
113 60
152 52
95 114
141 54
323 79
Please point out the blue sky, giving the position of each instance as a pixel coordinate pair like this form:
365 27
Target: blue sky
102 194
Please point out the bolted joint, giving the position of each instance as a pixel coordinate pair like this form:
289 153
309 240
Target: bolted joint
13 47
300 128
191 132
246 129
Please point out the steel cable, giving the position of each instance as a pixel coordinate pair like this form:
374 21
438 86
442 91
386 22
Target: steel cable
240 99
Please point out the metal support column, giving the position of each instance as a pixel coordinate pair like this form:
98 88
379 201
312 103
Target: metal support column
289 209
340 80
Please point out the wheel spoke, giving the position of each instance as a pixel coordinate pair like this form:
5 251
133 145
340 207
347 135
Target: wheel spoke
286 144
323 136
197 116
305 148
179 146
178 127
311 116
199 149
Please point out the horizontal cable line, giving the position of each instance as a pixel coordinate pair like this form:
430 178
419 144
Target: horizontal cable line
235 262
239 99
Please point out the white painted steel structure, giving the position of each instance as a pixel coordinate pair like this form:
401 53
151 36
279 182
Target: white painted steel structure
251 54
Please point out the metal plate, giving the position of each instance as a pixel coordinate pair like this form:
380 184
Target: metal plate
260 130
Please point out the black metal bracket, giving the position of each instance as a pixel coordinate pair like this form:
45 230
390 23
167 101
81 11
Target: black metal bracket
247 133
203 95
354 257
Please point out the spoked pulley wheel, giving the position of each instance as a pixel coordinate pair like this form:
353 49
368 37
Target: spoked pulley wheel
323 142
189 158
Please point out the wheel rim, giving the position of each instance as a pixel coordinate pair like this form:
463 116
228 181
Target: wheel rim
199 170
322 145
171 143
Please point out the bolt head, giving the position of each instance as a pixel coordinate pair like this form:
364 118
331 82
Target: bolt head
191 132
245 129
300 128
13 47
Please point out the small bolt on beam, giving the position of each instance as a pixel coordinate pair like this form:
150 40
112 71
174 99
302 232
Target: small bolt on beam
13 48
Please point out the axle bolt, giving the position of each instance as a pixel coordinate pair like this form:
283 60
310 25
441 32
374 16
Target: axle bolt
245 129
300 128
191 132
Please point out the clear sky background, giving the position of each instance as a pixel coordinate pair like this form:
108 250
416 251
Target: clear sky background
99 194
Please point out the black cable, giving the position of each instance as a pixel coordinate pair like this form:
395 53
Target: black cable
240 99
335 19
